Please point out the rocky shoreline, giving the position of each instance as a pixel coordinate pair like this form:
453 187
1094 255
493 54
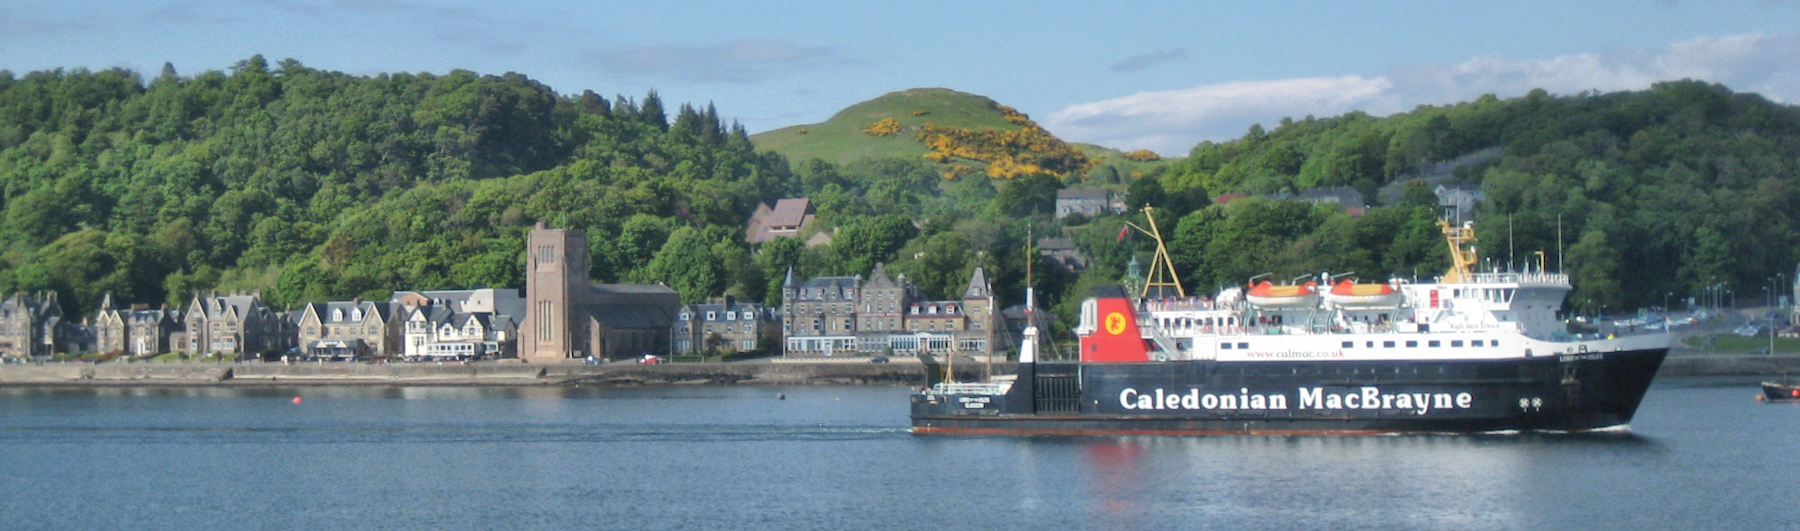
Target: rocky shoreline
765 372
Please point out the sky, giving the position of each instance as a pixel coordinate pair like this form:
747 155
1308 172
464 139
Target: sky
1159 75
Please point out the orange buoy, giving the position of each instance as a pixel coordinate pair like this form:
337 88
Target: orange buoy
1760 398
1794 393
296 400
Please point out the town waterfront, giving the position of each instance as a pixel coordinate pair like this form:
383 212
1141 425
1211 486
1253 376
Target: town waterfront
1701 453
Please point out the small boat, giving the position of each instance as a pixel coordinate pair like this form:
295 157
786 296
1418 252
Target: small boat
1348 294
1780 392
1266 295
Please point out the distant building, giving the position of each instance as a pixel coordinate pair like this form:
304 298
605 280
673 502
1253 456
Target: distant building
785 220
1088 202
135 331
461 324
724 325
239 324
1342 195
1227 198
832 316
31 326
1062 252
351 330
567 318
1459 201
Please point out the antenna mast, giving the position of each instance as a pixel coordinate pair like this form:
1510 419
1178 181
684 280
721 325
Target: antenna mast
1162 269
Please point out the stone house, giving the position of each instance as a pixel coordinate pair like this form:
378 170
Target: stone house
1063 253
237 325
845 315
785 220
134 331
31 326
350 330
724 325
1088 202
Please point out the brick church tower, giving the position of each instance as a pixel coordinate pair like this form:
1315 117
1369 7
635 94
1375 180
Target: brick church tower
556 292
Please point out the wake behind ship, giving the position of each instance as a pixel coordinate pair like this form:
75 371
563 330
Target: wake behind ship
1471 352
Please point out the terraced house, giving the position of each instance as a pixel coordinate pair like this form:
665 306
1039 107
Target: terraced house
239 324
832 316
724 325
31 325
350 330
135 331
461 324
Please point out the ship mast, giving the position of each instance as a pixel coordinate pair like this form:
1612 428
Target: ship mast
1162 269
1462 251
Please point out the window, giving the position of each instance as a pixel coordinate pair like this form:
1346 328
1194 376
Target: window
1387 344
1475 343
546 329
710 316
1349 344
1456 343
1412 344
1433 343
748 315
1243 345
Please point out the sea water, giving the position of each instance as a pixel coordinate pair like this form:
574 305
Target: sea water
1702 453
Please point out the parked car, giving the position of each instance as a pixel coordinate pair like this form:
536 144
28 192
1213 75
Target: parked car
878 359
650 359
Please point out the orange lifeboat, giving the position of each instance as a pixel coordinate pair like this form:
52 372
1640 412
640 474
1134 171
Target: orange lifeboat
1348 294
1266 295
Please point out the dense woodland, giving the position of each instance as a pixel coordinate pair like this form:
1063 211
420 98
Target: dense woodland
315 185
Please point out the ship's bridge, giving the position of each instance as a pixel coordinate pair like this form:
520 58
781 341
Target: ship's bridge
1525 300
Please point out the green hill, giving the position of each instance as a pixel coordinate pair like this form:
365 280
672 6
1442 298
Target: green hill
964 133
841 140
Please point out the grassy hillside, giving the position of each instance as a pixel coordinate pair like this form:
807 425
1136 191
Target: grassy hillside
841 139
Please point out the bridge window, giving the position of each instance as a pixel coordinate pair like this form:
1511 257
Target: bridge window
1387 344
1225 346
1349 344
1412 344
1456 343
1475 343
1433 343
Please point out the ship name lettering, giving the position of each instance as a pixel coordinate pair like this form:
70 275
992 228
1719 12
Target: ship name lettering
1160 399
1371 397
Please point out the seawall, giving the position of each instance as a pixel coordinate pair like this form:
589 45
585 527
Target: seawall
754 373
903 372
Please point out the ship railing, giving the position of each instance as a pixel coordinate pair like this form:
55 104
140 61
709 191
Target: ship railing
1522 278
971 388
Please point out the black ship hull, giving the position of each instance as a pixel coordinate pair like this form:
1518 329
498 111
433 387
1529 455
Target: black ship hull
1780 392
1575 392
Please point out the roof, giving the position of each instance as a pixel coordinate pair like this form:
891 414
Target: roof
827 288
790 212
1084 193
346 311
627 316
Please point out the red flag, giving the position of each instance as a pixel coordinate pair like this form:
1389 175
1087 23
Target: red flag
1122 232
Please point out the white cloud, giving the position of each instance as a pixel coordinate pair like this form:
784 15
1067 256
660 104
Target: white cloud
1171 122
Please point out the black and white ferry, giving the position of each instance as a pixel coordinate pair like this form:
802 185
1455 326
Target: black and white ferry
1470 352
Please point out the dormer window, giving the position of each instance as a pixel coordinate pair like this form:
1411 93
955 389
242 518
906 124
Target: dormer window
748 315
337 314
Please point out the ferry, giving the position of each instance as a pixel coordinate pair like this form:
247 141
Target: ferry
1470 352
